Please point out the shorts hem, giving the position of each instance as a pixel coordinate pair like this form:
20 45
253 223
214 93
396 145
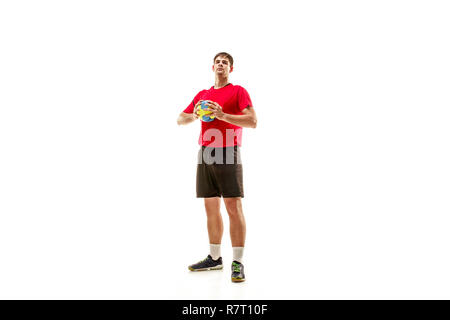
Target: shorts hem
213 196
222 196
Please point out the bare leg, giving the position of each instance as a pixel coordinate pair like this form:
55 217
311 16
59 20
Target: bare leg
215 223
237 221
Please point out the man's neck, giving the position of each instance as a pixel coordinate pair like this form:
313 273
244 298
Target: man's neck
220 82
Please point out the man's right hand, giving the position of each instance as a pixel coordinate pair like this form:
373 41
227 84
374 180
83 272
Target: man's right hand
185 118
194 113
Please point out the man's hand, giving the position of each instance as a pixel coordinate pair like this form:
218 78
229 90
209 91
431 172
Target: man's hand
195 115
216 110
185 118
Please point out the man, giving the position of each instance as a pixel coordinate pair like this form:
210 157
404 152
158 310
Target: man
219 171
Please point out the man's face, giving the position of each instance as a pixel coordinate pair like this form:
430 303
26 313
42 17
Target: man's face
222 66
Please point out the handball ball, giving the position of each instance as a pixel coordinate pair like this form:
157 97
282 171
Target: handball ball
204 114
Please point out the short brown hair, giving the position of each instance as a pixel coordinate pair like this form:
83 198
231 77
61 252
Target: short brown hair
226 55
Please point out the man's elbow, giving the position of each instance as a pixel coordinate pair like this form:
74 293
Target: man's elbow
254 123
180 120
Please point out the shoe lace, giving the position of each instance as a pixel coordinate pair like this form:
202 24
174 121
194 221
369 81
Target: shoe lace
236 267
203 260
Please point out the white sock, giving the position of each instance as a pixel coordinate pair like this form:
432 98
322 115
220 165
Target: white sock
214 250
238 253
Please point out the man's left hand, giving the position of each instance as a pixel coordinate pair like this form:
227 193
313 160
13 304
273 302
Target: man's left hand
216 110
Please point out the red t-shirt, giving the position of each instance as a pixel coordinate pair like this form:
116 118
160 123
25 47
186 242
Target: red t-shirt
233 99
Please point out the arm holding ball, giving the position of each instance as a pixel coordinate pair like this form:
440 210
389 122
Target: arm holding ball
186 118
247 119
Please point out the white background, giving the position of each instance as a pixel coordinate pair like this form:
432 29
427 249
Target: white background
346 178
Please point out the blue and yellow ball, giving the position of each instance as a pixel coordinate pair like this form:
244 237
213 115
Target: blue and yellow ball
204 114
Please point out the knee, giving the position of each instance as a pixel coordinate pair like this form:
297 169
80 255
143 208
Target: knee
233 213
234 208
212 207
213 214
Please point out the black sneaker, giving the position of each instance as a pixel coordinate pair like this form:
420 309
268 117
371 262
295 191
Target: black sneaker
237 272
207 264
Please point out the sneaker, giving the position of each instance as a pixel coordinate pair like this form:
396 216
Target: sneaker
207 264
237 272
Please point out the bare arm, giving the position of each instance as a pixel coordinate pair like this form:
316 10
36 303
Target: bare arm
186 118
247 119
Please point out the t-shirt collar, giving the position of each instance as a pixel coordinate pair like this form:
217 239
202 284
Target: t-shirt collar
222 87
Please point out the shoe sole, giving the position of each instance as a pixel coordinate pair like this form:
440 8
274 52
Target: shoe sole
207 269
237 280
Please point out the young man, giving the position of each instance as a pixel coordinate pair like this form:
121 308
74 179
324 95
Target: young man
219 170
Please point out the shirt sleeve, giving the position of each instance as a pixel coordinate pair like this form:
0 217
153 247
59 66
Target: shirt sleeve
190 107
244 100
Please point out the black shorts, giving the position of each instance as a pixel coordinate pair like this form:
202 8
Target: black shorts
219 172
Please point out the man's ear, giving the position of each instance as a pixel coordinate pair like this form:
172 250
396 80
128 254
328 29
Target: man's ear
213 68
231 69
